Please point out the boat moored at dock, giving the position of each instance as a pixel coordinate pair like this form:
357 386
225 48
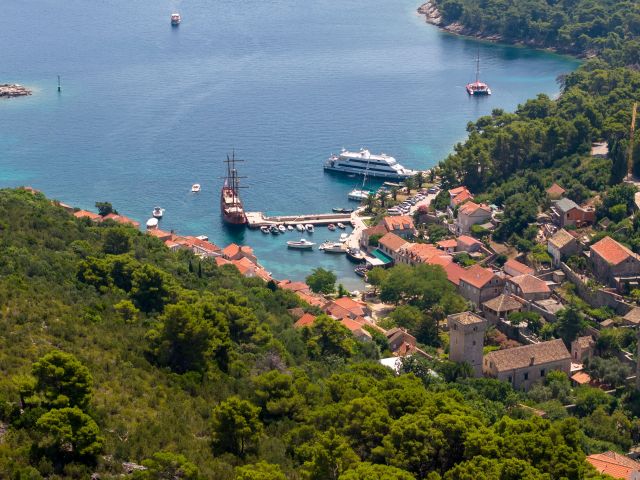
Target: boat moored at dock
331 227
341 226
364 162
342 210
309 228
230 203
152 223
264 229
158 212
358 194
302 244
355 255
300 227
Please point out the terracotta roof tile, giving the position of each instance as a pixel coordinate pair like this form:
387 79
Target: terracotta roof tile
522 357
561 238
454 272
611 251
503 303
521 268
392 242
305 320
231 250
86 214
530 284
450 243
470 207
467 318
477 276
461 198
614 465
555 190
400 222
356 308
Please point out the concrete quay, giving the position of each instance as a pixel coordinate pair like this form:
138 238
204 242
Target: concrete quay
259 219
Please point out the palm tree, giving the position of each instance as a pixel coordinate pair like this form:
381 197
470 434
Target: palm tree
419 179
370 203
409 183
383 195
394 193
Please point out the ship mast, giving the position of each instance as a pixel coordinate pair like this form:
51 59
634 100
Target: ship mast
478 67
233 179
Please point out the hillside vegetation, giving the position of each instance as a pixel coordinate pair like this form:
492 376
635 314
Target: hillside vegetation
114 350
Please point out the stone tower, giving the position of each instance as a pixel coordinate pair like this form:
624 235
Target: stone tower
466 339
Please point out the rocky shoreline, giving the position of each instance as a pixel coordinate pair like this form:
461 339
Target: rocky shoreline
434 17
10 90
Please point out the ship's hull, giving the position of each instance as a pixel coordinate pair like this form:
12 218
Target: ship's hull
233 213
369 173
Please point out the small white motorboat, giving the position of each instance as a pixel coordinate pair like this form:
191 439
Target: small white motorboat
333 247
290 228
152 223
341 226
158 212
300 227
303 244
309 227
264 229
344 237
195 188
358 194
175 19
282 228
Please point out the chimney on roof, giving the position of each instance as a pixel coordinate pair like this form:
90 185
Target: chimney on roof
533 360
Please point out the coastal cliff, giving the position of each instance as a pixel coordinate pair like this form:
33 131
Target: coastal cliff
9 90
434 17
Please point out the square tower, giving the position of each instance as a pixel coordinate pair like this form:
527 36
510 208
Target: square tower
466 339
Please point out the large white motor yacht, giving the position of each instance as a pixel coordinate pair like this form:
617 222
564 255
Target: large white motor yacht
366 163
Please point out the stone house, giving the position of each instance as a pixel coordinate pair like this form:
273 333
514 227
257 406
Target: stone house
478 284
528 287
566 212
471 214
561 246
500 307
459 195
582 349
401 342
367 233
514 268
391 245
522 366
401 225
614 264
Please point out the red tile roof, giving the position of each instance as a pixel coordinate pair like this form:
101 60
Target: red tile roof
231 250
450 243
310 298
516 266
121 219
294 286
458 190
470 207
477 276
530 284
555 190
392 242
454 272
222 261
581 378
465 241
86 214
462 197
614 465
379 229
356 308
400 222
611 251
305 320
161 234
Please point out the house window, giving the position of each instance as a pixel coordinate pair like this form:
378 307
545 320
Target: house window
542 372
509 379
475 329
526 376
474 343
455 326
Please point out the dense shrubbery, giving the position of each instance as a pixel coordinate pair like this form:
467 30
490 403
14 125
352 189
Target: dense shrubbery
202 376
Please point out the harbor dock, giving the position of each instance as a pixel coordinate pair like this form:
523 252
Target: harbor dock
259 219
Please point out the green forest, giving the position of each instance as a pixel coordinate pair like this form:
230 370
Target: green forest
116 353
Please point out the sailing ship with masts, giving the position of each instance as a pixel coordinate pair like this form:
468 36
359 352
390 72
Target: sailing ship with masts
230 203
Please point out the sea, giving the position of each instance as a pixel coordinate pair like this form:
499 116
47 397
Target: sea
147 110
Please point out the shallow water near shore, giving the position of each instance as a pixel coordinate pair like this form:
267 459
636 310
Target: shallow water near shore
147 110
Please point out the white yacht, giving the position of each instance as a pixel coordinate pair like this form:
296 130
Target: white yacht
364 162
303 244
195 188
158 212
358 194
333 247
300 227
152 223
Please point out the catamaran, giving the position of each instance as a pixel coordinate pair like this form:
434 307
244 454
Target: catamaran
478 87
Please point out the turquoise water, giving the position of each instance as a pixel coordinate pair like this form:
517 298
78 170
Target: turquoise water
147 110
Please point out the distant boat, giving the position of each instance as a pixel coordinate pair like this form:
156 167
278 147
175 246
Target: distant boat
341 226
332 247
290 228
309 227
302 244
344 237
478 87
282 228
361 270
264 229
158 212
300 227
355 255
175 19
230 204
274 229
152 223
342 210
195 188
331 227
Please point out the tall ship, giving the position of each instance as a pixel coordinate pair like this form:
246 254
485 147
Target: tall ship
230 203
366 163
478 87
